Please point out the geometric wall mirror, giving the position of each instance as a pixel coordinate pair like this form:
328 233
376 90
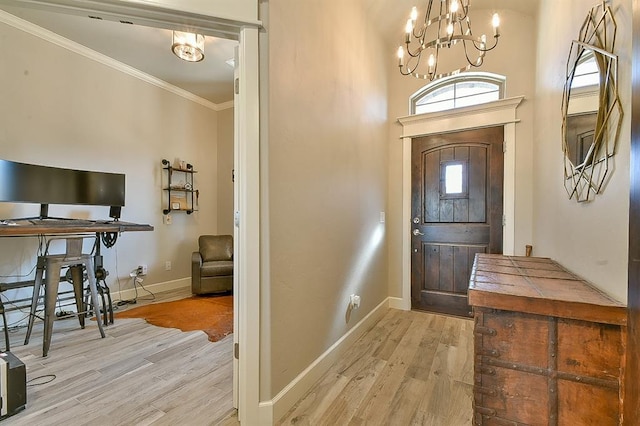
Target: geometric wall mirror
591 108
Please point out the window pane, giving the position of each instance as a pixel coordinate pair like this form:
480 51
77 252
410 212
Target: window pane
438 95
480 98
474 87
453 179
459 91
437 106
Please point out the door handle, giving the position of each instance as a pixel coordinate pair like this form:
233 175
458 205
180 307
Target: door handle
417 232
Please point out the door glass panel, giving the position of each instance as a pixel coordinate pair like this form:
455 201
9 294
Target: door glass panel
453 179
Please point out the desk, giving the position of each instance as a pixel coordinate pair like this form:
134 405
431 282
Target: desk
549 347
24 227
35 227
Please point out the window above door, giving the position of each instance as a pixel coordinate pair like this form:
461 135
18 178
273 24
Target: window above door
458 91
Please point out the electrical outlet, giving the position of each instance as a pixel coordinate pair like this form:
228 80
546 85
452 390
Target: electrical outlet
142 269
167 265
167 219
354 301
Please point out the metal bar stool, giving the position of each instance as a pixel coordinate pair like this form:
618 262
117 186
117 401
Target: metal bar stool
53 263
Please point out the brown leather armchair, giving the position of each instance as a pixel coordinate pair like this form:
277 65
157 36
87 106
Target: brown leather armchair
212 265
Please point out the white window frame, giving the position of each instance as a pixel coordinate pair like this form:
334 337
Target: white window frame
484 77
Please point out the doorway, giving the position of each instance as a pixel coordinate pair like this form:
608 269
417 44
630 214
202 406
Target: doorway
247 138
457 207
497 113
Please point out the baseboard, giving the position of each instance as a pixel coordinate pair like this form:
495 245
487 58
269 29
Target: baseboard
271 411
399 303
21 318
154 288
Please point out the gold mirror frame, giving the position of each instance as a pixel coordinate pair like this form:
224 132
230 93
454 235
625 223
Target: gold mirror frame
585 178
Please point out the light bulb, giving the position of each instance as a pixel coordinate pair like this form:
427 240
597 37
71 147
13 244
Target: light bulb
408 29
414 14
432 64
454 6
495 21
450 29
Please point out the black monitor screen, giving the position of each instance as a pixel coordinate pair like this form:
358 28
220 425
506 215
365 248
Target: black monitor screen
30 183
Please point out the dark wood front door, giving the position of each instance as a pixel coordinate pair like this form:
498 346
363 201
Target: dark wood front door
456 212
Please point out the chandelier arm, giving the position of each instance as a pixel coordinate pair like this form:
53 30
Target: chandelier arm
485 49
478 62
416 53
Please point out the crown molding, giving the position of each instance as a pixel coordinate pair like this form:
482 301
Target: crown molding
79 49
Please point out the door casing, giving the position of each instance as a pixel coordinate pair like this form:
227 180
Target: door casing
247 164
497 113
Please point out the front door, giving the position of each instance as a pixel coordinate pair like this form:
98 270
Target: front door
456 212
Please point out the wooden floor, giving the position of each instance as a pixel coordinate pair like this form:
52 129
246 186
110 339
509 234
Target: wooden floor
139 374
411 368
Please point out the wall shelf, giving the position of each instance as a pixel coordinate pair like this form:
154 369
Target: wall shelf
179 191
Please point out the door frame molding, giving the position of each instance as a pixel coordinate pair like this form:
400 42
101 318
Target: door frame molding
497 113
246 145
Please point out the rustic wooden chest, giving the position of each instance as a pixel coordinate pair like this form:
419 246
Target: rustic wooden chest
549 347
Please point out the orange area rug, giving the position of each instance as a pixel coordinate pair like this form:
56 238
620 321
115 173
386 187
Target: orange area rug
211 314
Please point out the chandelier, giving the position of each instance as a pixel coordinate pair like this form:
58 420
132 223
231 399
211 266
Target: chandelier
443 30
188 46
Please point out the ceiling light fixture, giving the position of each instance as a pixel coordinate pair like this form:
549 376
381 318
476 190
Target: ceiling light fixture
188 46
439 31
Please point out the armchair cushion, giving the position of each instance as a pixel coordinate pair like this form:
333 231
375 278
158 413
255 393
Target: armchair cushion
216 268
216 247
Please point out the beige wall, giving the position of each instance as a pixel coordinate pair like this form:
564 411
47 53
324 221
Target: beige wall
225 170
61 109
327 174
510 59
588 238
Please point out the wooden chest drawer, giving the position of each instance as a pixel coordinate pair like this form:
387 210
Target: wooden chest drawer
544 357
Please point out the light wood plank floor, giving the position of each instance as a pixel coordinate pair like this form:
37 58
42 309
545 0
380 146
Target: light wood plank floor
139 374
411 368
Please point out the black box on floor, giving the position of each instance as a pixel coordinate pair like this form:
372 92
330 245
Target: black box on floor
13 384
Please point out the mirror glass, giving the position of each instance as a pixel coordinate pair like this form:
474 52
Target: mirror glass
582 110
591 108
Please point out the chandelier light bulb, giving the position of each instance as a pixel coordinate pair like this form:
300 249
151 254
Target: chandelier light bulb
454 6
432 64
408 29
414 13
450 29
400 56
495 21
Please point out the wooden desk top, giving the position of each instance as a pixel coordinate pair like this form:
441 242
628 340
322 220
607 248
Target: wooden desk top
539 286
25 227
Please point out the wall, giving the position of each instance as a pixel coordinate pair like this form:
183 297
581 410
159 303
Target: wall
516 29
588 238
225 171
231 9
326 183
61 109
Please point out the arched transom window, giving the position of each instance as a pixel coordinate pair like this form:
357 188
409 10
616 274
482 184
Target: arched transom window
458 91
